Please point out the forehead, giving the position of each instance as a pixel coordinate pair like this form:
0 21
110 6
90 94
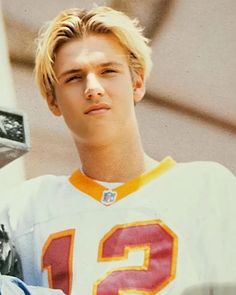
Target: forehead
91 50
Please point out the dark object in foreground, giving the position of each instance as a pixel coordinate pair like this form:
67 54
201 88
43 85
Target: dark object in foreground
14 135
9 259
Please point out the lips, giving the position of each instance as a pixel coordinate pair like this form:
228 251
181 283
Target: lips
98 108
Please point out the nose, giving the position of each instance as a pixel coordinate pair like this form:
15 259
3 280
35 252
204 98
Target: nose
94 89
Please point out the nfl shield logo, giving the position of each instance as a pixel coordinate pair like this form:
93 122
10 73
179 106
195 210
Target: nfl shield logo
108 197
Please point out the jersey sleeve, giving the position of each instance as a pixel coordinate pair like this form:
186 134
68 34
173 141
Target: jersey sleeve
223 192
13 204
13 286
16 197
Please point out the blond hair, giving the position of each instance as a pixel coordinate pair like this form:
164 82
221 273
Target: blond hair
76 24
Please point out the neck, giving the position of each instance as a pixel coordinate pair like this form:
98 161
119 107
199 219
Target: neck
115 162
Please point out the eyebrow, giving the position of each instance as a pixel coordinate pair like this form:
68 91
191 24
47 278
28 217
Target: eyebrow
79 70
109 64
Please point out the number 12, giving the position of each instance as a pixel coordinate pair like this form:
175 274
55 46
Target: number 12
157 241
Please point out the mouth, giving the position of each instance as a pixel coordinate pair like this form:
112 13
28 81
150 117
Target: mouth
96 109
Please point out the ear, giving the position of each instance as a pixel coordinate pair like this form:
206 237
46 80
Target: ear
53 105
139 88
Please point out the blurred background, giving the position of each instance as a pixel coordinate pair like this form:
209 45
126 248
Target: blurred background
189 111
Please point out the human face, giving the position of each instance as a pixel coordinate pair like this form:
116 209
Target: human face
95 92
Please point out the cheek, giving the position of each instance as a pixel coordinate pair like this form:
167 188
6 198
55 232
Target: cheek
69 100
124 89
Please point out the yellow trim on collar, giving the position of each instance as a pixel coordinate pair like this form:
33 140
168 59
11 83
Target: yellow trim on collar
95 190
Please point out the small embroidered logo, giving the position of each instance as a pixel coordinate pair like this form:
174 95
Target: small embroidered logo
108 197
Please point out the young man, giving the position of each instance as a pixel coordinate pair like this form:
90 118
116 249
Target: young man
123 223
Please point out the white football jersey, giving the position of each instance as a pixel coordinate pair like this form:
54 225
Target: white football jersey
170 231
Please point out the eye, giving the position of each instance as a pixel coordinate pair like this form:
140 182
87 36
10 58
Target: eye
109 71
74 78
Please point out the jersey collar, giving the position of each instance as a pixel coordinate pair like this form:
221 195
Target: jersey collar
107 196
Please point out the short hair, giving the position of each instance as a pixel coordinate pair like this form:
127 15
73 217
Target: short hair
77 23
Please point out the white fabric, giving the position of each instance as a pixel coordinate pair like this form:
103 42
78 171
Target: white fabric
14 286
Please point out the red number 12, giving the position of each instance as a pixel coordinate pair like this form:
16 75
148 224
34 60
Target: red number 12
157 241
